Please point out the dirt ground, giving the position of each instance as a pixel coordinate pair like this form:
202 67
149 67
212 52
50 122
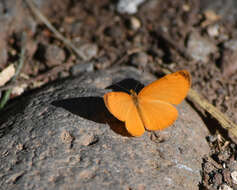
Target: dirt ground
199 36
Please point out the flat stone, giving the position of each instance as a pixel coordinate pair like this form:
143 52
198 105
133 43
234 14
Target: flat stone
62 137
200 48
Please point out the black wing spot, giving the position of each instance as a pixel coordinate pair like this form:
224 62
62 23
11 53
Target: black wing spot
186 75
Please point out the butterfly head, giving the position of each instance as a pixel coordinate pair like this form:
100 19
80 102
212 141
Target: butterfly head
133 93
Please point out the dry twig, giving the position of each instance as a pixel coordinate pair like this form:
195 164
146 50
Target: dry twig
18 70
58 35
52 72
225 122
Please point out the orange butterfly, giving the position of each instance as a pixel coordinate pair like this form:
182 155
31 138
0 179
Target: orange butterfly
152 107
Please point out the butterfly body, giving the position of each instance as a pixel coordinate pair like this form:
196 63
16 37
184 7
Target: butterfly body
137 103
152 108
134 97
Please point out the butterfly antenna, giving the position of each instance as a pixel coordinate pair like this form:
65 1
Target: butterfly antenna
136 87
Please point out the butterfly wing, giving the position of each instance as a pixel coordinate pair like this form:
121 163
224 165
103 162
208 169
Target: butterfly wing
121 105
156 114
171 88
118 103
133 122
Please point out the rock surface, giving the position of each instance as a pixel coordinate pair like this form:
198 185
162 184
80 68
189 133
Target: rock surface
200 48
62 137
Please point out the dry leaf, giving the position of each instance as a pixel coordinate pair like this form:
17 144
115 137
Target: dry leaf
7 74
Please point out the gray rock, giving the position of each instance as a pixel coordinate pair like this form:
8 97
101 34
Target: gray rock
62 137
54 55
140 59
200 48
82 68
89 50
129 6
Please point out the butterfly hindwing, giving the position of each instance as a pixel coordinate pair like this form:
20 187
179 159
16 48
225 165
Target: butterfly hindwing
157 114
121 105
133 122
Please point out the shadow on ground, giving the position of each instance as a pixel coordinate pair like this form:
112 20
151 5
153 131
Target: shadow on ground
93 108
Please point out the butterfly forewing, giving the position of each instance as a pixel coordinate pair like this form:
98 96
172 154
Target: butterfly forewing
171 88
118 103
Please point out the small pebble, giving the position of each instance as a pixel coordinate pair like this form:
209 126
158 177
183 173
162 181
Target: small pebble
135 23
54 55
102 62
200 48
19 147
82 68
89 50
18 90
88 139
140 59
66 137
213 30
234 176
128 6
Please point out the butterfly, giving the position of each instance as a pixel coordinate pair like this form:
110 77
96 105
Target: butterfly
153 107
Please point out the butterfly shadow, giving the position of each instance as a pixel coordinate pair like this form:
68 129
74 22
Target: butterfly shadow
93 108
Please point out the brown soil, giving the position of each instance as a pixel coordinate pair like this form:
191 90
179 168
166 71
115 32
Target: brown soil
158 35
